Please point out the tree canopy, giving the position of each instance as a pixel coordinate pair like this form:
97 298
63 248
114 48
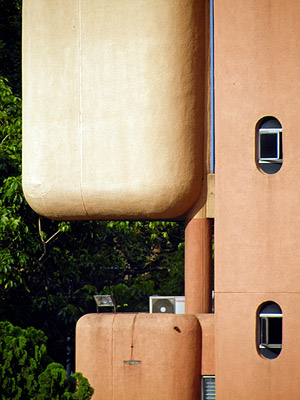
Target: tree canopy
49 270
27 373
10 42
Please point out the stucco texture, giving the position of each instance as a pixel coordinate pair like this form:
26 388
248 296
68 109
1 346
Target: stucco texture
164 351
257 228
113 107
257 225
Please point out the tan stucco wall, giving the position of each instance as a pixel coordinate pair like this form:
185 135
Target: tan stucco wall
241 372
207 324
113 116
257 222
198 266
257 215
169 358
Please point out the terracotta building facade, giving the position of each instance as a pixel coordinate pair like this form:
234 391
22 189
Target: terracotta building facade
183 110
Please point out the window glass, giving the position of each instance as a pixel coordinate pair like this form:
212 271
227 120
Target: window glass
269 330
269 145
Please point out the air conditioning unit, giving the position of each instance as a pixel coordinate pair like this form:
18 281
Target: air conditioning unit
167 304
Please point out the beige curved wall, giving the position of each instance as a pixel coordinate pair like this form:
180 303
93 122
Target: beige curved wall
113 95
167 347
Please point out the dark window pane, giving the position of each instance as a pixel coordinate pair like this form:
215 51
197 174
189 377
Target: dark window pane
269 145
263 327
275 330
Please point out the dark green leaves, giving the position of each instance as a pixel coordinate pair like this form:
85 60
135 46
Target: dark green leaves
25 372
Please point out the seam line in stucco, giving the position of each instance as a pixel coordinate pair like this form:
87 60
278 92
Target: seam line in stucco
256 292
132 337
80 104
112 358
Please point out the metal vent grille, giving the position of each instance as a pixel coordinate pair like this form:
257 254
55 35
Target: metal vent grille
208 388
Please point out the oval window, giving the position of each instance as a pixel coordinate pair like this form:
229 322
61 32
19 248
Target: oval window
269 330
269 145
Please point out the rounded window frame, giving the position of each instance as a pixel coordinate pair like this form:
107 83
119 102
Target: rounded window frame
269 330
269 145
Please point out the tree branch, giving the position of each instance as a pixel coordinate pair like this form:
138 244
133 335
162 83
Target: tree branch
3 140
45 242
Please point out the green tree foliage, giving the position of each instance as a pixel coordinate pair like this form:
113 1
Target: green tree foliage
54 385
17 243
10 42
152 255
21 353
49 270
25 371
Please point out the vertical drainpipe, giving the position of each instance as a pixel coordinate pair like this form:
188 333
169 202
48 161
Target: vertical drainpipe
212 89
199 227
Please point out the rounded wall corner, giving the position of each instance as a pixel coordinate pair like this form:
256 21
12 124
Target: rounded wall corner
156 202
182 202
54 202
34 194
94 321
133 132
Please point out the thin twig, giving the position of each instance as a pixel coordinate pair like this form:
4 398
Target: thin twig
2 141
41 234
53 236
45 242
40 231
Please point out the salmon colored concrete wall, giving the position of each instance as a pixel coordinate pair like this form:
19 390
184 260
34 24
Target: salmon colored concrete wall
257 226
241 372
207 324
113 107
257 66
168 347
198 266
